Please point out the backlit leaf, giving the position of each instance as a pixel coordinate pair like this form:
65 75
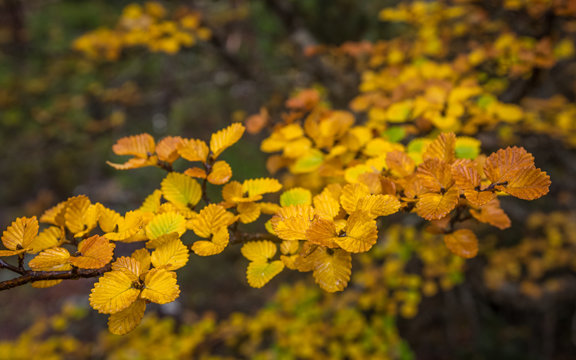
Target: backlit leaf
171 255
113 293
296 196
379 205
217 244
248 212
351 195
332 270
95 252
259 251
225 138
435 175
261 186
291 223
193 150
160 286
122 322
129 266
361 233
433 206
167 148
220 174
259 274
49 237
141 146
400 163
166 223
50 258
181 190
21 233
209 219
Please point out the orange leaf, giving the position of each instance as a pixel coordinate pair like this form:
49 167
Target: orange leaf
468 180
322 232
141 146
193 150
435 175
196 172
503 165
528 184
95 252
220 174
432 206
492 214
462 243
400 163
442 148
167 149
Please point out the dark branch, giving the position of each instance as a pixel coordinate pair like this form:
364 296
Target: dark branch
31 276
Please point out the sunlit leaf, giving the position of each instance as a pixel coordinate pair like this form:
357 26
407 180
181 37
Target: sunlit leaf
259 251
166 223
442 148
296 196
50 258
332 270
361 233
379 205
167 149
21 233
259 274
113 293
503 165
160 286
217 244
528 184
193 150
181 190
225 138
171 255
141 146
95 252
433 206
220 174
123 322
209 219
351 195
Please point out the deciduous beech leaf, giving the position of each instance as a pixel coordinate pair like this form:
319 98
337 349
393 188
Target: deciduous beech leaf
289 247
492 214
76 208
443 148
467 147
141 146
122 322
332 269
503 165
171 255
49 237
181 190
129 226
220 174
248 212
113 293
219 241
291 222
160 286
167 149
49 259
259 274
134 163
152 202
432 206
209 219
261 186
196 172
129 266
225 138
528 184
351 195
399 163
308 163
296 196
259 251
462 242
193 150
379 205
50 216
326 205
269 208
160 240
21 234
95 252
361 233
321 232
108 219
468 180
435 175
143 258
166 223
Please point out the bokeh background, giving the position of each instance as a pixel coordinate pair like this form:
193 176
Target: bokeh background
61 110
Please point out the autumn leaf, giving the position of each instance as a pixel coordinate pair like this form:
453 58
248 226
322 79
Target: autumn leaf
332 269
160 286
216 245
113 293
19 236
193 150
462 242
209 219
259 274
166 223
435 175
491 213
181 190
468 180
220 174
528 184
123 322
94 252
167 149
171 255
225 138
443 148
503 165
432 206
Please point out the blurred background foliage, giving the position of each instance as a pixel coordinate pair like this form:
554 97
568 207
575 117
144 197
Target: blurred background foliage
61 111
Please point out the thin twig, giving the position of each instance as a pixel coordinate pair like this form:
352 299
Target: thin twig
31 276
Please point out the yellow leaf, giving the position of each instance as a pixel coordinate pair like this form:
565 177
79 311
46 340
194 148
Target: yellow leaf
151 203
181 190
332 269
209 219
108 219
134 163
289 247
49 259
166 223
443 148
432 206
167 149
95 252
218 243
128 226
113 293
129 266
225 138
160 240
326 205
140 146
296 196
143 258
255 187
462 243
291 223
220 174
379 205
258 273
193 150
75 216
322 232
49 237
351 195
361 233
21 233
248 212
51 216
171 255
123 322
160 286
259 251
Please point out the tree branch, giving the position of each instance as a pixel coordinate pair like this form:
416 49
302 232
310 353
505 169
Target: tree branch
31 276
